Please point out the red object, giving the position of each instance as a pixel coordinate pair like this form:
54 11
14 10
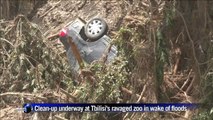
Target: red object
63 33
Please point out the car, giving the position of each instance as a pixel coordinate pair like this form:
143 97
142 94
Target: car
91 41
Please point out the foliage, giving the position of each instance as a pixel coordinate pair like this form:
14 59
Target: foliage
27 60
204 115
109 79
161 58
170 14
29 64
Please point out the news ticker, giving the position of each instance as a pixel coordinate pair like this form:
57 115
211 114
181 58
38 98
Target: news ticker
86 107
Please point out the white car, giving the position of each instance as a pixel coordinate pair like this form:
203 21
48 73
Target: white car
90 38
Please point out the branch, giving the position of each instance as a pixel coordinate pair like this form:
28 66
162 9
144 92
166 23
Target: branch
76 52
69 95
197 67
22 95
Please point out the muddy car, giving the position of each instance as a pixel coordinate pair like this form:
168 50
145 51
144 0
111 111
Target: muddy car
91 41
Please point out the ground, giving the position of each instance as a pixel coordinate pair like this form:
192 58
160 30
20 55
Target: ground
150 67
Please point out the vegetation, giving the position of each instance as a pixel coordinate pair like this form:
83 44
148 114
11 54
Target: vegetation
165 54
